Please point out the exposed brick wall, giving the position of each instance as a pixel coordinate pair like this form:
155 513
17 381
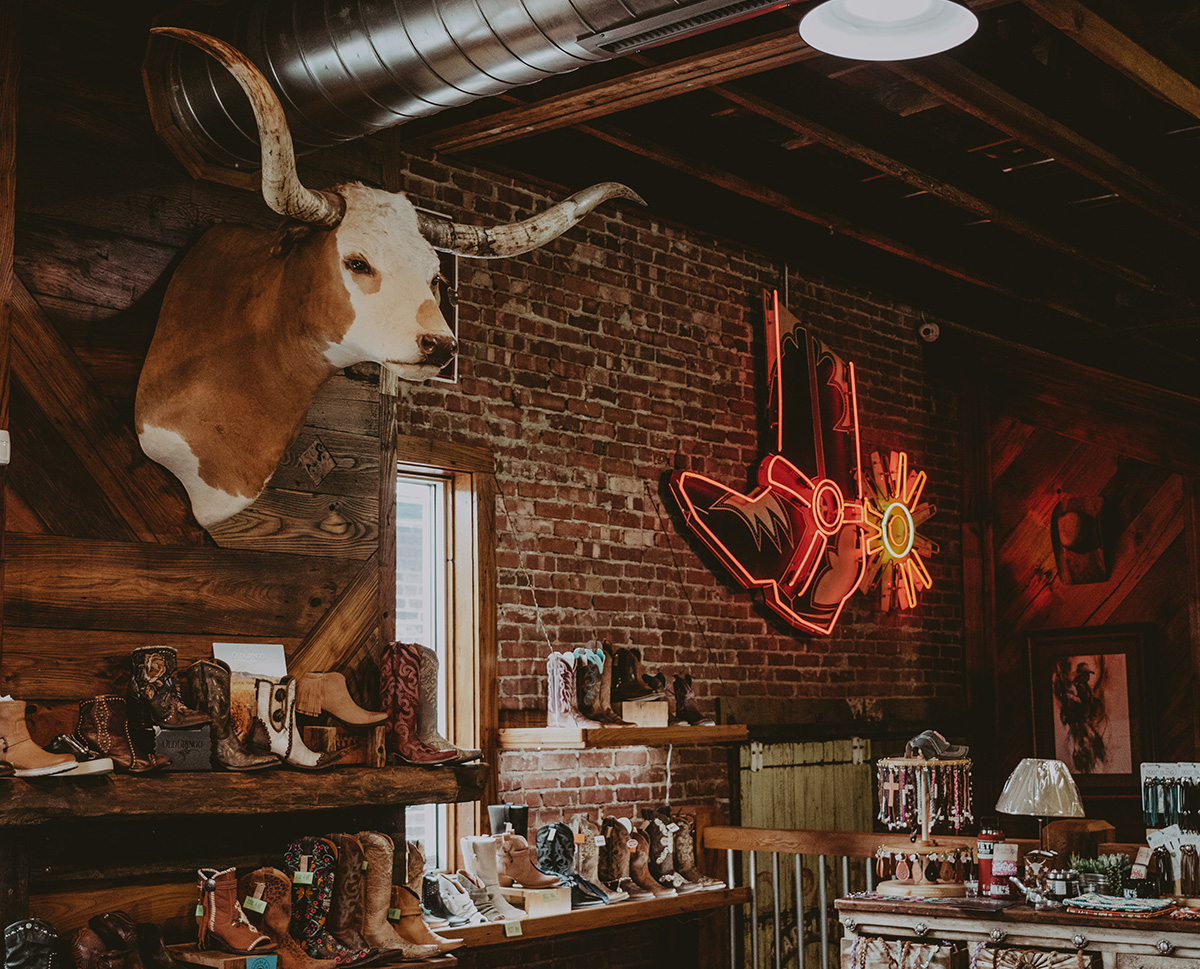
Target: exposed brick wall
594 366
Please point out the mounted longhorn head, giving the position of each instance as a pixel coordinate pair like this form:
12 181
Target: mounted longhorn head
255 322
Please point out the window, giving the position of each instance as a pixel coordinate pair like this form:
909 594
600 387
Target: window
445 560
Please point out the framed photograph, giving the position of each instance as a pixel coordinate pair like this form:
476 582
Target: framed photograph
1089 702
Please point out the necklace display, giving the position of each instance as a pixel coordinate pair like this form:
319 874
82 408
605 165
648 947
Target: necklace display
915 796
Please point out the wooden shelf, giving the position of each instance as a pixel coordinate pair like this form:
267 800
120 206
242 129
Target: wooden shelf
37 800
600 916
577 738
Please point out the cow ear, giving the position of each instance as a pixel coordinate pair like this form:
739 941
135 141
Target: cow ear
290 236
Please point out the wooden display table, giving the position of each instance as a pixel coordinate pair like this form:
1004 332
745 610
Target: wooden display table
1124 943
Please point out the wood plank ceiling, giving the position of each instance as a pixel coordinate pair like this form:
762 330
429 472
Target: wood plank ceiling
1036 183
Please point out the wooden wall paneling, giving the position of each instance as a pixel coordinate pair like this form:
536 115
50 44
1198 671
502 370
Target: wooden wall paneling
344 626
979 588
1191 493
84 584
149 498
299 523
10 60
356 464
19 517
348 403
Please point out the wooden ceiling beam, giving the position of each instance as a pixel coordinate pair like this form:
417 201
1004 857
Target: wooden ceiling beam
857 127
961 87
829 209
630 91
1118 49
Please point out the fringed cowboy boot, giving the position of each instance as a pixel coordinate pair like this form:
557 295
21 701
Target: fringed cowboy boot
379 851
318 693
219 917
427 709
277 714
154 697
271 889
399 690
209 683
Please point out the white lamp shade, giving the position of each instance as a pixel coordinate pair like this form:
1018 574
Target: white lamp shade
887 30
1041 789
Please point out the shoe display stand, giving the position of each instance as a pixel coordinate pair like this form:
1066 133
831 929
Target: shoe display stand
597 917
141 838
582 738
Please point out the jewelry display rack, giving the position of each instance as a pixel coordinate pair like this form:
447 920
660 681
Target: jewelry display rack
925 868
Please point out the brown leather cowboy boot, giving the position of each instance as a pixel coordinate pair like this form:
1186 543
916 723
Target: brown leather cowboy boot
154 697
639 866
379 851
399 691
346 907
219 917
427 708
104 726
209 688
273 890
614 860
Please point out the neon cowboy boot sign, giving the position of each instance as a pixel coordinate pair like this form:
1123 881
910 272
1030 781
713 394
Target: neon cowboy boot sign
799 537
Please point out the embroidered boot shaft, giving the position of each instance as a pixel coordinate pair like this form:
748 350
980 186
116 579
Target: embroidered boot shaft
274 889
154 697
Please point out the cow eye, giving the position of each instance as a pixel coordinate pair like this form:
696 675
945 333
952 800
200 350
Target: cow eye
356 264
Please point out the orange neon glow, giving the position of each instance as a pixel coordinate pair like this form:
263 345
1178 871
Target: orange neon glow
894 513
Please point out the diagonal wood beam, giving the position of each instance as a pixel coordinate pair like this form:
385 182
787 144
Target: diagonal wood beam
961 87
1119 50
631 91
849 220
854 125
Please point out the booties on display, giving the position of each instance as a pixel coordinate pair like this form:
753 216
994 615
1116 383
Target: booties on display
274 889
628 684
219 917
562 703
662 853
209 685
587 854
379 852
480 859
18 748
478 894
427 707
434 904
277 714
556 853
154 697
34 944
457 902
686 709
318 693
104 727
313 898
399 691
515 865
613 866
639 866
406 918
346 906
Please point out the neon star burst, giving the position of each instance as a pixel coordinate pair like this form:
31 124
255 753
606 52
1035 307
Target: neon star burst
896 550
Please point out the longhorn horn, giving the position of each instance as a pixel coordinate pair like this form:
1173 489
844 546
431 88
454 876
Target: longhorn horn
518 237
281 186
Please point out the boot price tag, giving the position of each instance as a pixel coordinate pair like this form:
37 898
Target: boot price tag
599 841
252 904
631 845
395 914
580 839
672 828
199 911
364 864
302 878
512 929
549 895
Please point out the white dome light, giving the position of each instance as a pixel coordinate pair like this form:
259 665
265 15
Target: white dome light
887 30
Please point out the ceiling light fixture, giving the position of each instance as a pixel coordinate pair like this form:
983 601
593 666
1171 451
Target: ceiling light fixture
887 30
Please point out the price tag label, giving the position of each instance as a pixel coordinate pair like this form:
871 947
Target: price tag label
302 878
548 895
199 911
364 864
512 929
672 828
631 845
580 839
599 841
252 904
395 914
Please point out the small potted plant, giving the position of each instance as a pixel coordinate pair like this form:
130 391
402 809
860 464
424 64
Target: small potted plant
1105 874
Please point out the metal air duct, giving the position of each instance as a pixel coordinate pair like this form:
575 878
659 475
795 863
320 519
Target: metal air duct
347 68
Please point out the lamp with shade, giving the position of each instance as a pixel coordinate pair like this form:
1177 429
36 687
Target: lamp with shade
887 30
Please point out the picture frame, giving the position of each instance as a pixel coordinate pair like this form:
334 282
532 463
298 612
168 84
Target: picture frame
1088 693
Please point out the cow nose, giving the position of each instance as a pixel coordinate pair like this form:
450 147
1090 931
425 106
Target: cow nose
437 350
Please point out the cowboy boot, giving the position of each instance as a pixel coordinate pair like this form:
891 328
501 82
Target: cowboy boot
498 818
639 866
567 704
399 690
248 730
219 917
209 683
614 860
379 851
686 709
103 726
587 854
556 714
515 865
609 716
346 906
34 944
685 851
18 748
154 697
556 854
589 680
318 693
312 898
662 853
87 761
118 932
427 709
272 890
277 714
458 902
627 681
405 916
88 951
479 856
